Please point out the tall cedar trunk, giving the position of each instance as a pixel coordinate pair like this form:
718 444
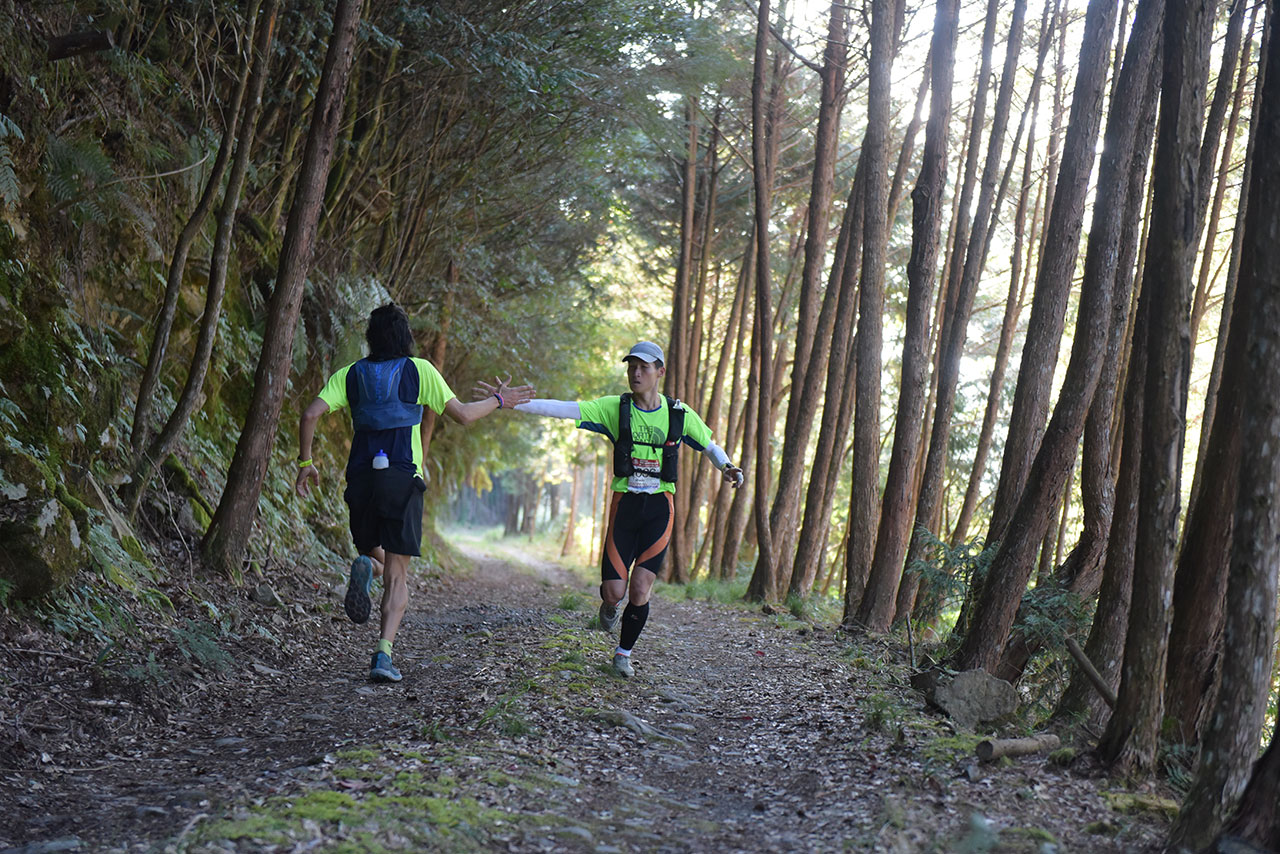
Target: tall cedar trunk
1001 591
1012 311
570 524
1231 740
189 400
761 585
738 414
820 493
1200 584
741 505
876 610
959 298
713 418
1226 89
809 366
228 535
1130 741
1053 281
680 354
177 266
592 555
1107 245
866 431
689 522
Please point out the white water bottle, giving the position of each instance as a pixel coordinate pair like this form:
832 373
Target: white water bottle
380 460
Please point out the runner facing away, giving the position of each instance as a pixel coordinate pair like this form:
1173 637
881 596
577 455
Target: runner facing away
386 391
646 428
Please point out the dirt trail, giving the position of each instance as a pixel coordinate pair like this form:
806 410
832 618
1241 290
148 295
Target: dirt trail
740 732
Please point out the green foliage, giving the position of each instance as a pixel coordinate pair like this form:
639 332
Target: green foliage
197 641
946 573
6 589
10 192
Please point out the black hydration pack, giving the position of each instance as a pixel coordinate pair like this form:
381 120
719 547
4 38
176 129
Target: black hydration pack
622 465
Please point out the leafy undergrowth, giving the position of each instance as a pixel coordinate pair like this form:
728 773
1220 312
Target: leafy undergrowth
742 731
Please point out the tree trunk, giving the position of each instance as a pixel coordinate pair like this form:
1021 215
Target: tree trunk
820 493
959 298
1231 741
1196 634
177 266
189 400
866 432
999 595
439 349
570 524
1130 742
1222 92
876 610
1111 240
1053 280
809 367
228 535
762 579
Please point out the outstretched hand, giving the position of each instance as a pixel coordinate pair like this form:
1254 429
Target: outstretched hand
733 476
509 394
307 475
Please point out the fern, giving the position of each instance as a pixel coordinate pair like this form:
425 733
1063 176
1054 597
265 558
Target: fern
9 189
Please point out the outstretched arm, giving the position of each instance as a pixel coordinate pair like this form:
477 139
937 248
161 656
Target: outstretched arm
307 474
732 474
498 396
538 406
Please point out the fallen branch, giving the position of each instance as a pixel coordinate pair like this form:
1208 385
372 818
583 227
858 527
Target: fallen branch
994 748
1104 690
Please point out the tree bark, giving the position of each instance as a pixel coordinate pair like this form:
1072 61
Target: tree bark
866 433
228 536
189 399
163 322
761 585
1111 240
812 348
876 610
1000 593
1130 741
1231 740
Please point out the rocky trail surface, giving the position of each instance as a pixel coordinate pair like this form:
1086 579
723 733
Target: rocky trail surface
741 731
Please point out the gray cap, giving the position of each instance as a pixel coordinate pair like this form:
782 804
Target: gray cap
646 351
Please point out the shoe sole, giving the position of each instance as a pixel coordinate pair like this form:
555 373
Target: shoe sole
357 603
384 676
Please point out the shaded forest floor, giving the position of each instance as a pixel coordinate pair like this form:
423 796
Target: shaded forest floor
742 731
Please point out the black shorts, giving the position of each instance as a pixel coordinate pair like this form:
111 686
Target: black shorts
639 531
386 510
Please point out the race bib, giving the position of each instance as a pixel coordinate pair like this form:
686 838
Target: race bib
644 477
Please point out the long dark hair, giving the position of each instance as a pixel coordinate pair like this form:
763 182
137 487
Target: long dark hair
388 333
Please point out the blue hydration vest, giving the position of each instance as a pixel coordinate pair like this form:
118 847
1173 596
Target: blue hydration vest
376 403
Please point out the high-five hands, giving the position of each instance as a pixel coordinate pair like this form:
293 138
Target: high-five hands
508 394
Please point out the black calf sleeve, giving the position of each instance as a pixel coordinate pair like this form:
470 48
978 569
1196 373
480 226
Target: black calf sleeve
633 620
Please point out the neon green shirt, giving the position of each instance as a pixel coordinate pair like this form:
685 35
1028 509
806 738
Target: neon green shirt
403 445
601 416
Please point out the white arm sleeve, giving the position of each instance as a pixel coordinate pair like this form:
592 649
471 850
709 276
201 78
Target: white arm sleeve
716 454
552 408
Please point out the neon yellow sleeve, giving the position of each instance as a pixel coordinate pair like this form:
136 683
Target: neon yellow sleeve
334 392
433 391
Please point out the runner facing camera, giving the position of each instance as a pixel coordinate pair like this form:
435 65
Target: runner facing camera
647 429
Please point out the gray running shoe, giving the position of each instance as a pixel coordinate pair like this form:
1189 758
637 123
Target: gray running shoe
608 617
622 665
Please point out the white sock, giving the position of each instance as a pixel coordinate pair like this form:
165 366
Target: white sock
621 651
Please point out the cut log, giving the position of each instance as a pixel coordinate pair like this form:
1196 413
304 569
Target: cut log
75 44
994 748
